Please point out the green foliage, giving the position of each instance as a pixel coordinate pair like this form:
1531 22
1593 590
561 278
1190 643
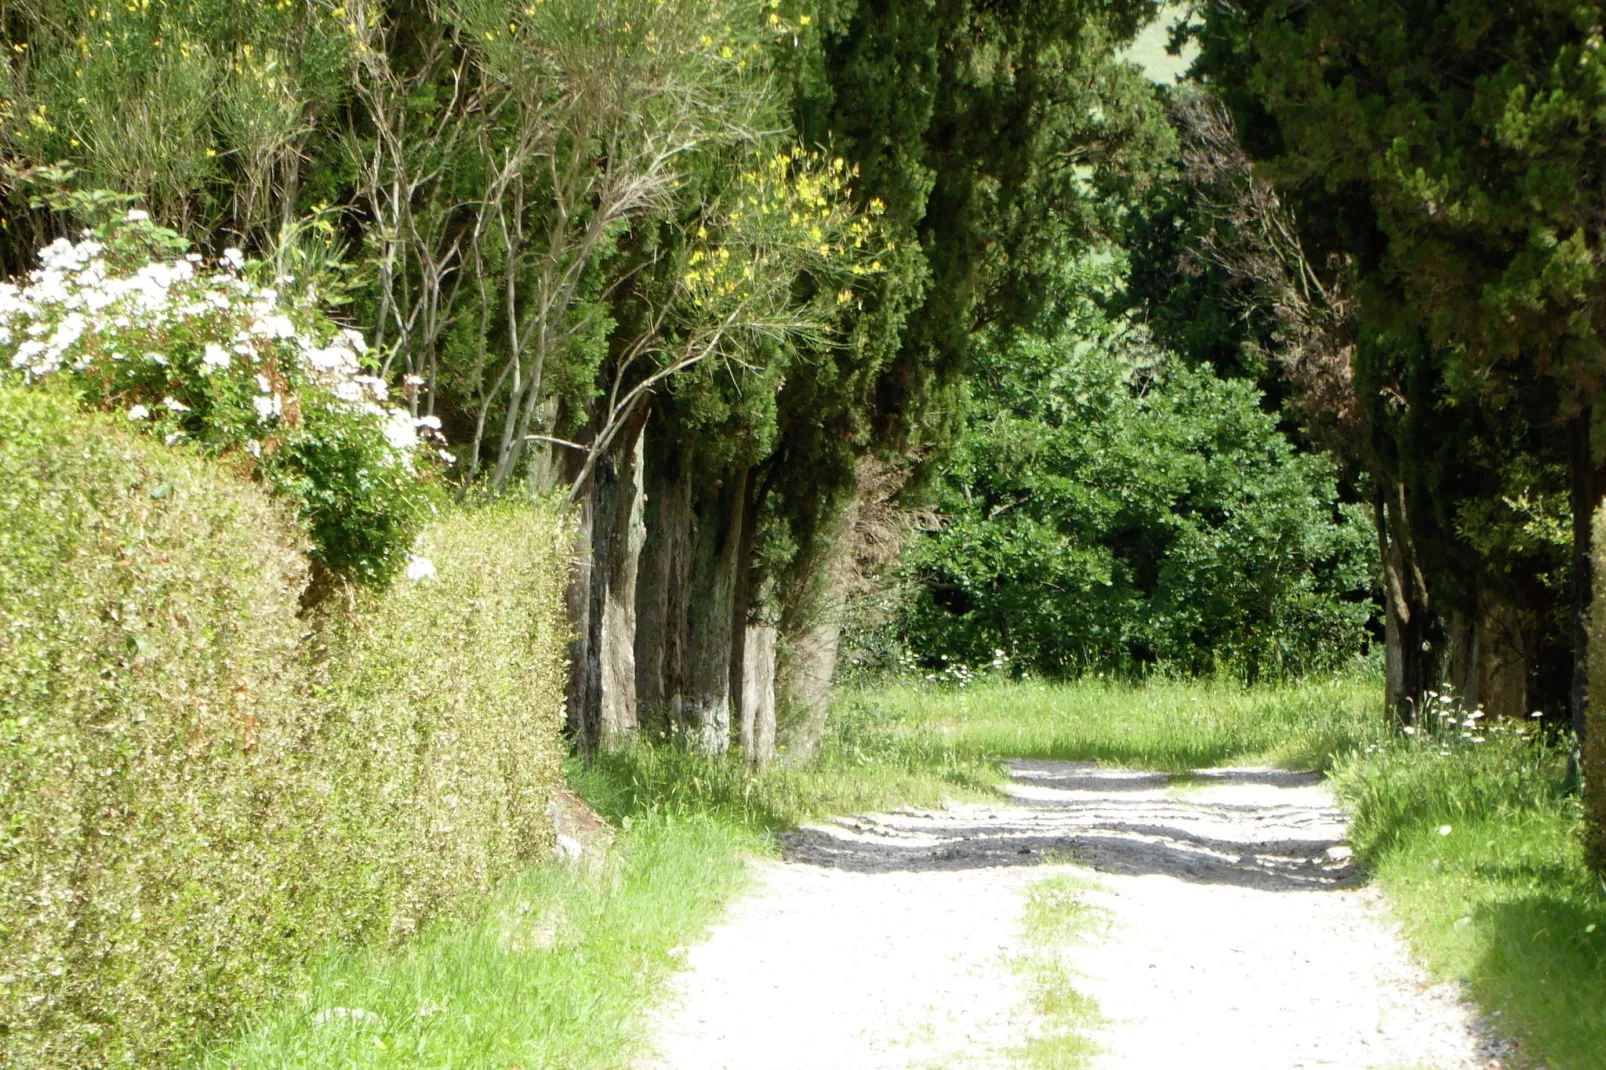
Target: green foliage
207 357
199 795
1109 508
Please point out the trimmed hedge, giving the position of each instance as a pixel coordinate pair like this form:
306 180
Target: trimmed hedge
201 791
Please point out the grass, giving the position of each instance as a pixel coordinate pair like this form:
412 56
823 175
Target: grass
1056 913
1503 899
557 974
1479 854
1166 725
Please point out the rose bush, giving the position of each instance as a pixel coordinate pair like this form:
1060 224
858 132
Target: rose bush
190 351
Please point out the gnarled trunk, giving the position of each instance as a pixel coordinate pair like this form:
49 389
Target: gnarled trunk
602 599
706 699
1414 643
663 582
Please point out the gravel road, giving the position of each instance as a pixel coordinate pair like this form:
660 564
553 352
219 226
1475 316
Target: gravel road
1232 932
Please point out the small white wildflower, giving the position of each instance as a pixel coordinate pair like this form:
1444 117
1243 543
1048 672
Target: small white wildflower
215 356
449 458
175 404
1445 830
412 380
234 258
156 358
136 215
1409 730
420 568
267 407
431 422
138 412
263 384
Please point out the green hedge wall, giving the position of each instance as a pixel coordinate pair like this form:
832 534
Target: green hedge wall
201 791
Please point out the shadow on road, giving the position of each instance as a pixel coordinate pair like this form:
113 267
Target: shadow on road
1265 833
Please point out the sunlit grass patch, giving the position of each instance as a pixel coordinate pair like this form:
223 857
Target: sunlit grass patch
1161 724
557 974
1479 853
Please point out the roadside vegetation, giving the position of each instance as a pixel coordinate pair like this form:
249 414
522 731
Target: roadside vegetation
399 400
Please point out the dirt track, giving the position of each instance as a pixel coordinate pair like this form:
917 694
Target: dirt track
1234 933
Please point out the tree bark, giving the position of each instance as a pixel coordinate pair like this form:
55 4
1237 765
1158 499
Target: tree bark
706 701
1413 638
810 634
758 696
602 600
619 511
663 582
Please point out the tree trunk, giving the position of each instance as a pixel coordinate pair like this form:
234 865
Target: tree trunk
602 600
619 514
706 700
663 583
1413 638
810 632
758 696
1505 659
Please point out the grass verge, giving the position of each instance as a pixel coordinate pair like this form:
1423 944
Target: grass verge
1480 856
556 974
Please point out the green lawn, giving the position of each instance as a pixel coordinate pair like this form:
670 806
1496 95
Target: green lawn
559 973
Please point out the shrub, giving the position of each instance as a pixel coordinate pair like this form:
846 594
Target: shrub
203 355
200 792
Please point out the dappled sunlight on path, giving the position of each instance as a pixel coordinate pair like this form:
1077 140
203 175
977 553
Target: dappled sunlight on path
1233 933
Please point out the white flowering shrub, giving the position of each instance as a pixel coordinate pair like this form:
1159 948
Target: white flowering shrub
198 353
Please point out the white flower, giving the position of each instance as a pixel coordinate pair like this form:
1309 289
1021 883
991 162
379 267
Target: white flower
431 422
354 339
449 458
275 325
138 412
234 258
399 432
175 404
156 358
267 407
136 215
420 568
215 356
412 380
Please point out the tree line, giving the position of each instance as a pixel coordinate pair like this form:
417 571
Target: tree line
741 281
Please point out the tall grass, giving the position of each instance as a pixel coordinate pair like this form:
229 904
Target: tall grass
1162 724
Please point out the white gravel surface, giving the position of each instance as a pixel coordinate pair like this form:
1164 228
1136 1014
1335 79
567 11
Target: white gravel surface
1232 934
